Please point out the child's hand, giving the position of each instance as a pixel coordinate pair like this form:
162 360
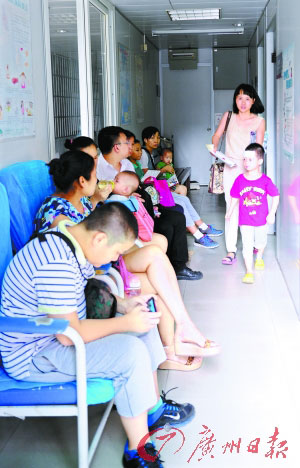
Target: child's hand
227 215
270 218
167 168
140 320
137 195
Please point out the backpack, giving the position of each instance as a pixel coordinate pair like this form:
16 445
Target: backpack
145 223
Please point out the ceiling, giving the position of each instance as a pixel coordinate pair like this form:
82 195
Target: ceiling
147 15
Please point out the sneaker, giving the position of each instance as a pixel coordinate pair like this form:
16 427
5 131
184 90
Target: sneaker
259 264
133 460
248 278
174 414
211 231
206 242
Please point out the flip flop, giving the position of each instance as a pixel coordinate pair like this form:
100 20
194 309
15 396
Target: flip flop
191 364
229 260
210 348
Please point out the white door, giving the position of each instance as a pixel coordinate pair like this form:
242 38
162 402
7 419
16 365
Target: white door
187 116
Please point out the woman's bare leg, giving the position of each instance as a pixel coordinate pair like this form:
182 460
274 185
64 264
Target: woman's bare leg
162 278
159 240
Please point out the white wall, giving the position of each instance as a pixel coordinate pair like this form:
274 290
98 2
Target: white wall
288 228
35 147
130 37
187 113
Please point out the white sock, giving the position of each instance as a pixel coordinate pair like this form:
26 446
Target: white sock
198 234
203 226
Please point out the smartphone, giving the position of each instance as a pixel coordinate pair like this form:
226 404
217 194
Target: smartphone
151 305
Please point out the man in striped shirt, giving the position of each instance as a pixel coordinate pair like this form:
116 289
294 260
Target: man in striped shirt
48 279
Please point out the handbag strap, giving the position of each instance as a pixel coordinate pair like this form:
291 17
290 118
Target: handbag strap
226 126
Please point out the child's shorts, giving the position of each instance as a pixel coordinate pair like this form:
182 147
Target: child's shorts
254 236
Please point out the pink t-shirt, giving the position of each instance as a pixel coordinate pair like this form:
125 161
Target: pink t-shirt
253 205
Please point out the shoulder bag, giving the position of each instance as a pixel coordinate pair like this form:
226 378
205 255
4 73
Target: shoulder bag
215 184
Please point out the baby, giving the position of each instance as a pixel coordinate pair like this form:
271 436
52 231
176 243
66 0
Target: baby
126 184
167 172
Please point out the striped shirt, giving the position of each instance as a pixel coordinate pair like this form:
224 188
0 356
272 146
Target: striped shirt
43 278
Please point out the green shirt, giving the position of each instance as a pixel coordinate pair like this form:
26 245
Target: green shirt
166 175
138 169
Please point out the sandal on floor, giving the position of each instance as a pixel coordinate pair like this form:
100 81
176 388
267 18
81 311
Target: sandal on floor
229 260
191 364
210 348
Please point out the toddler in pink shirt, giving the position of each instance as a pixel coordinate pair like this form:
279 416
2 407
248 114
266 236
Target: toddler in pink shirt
250 190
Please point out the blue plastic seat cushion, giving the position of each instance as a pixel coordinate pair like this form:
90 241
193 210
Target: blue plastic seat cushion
19 393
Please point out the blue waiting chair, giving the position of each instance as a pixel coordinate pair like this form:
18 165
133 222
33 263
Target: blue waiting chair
22 399
28 184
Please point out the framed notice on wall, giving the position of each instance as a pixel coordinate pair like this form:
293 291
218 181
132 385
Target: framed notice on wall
124 80
288 102
139 88
16 91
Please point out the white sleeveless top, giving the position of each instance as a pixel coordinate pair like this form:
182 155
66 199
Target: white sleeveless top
238 137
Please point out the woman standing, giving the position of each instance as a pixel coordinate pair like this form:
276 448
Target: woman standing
245 127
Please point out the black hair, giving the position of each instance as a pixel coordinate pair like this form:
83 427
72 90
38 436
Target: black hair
71 165
257 107
148 132
136 141
115 220
108 137
128 134
259 150
79 143
166 150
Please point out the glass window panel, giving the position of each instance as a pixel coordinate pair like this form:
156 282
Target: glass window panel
98 61
65 73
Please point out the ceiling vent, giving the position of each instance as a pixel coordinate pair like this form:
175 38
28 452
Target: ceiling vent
183 59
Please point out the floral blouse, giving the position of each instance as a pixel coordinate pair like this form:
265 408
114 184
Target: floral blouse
55 206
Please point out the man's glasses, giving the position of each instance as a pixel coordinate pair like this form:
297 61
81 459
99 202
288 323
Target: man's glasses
122 143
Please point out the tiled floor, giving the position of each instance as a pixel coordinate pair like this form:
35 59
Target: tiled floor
252 387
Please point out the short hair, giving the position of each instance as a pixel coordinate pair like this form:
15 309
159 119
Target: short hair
257 107
148 132
136 141
166 150
71 165
79 143
108 137
259 150
128 134
115 220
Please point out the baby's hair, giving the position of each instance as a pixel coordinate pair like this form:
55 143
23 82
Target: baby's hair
259 150
132 174
136 141
71 165
79 143
257 107
166 150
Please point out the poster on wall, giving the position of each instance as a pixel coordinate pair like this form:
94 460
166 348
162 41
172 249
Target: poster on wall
139 88
16 92
124 76
288 102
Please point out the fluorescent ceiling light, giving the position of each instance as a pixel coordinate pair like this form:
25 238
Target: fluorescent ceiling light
209 32
194 14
